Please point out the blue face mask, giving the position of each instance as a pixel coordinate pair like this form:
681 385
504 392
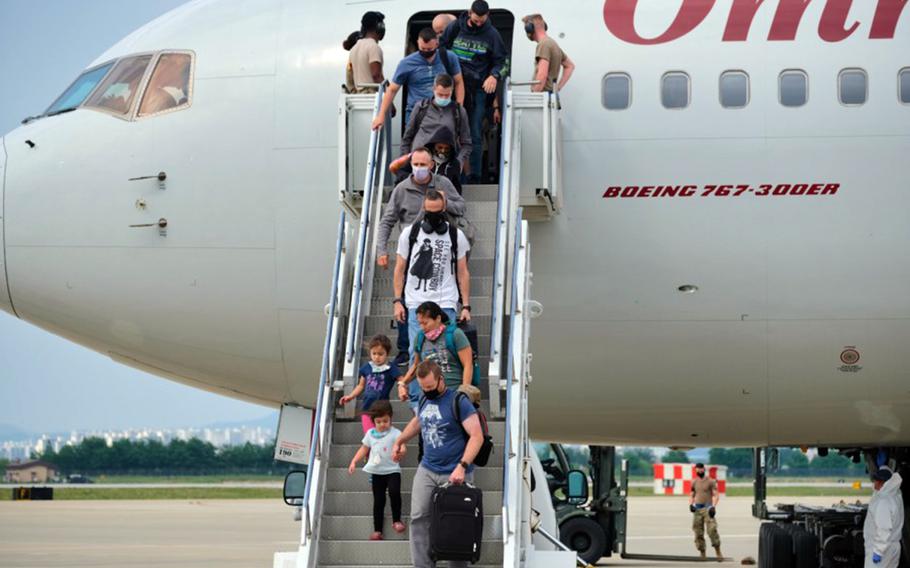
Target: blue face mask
442 102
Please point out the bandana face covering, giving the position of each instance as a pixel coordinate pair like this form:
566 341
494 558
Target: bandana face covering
434 335
377 434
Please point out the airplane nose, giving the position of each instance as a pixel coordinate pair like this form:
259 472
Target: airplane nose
6 302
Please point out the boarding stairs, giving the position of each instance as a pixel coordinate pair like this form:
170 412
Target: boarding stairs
337 507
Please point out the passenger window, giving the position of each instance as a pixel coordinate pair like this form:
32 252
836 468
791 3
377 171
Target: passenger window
734 89
903 86
616 91
852 87
170 86
674 90
794 88
81 88
118 90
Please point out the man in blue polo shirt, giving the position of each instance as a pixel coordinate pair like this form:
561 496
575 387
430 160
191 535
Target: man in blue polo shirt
449 449
418 71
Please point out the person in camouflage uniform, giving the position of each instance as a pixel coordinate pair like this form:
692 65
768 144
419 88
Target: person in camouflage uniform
703 505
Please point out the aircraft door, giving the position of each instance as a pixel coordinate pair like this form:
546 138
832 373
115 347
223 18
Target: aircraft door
6 303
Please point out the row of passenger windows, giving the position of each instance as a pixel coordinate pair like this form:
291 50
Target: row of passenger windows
114 86
734 90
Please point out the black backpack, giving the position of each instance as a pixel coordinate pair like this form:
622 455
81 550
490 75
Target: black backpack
486 449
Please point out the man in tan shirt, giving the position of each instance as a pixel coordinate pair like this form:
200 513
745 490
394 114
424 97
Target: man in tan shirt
549 57
365 62
703 503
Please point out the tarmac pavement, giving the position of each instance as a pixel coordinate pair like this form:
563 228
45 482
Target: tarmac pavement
246 533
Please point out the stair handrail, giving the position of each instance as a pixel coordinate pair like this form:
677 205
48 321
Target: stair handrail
324 399
375 162
500 259
514 455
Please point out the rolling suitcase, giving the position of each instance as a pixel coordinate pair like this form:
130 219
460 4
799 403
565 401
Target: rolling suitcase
456 526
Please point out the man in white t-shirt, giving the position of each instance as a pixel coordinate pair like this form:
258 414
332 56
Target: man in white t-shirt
429 269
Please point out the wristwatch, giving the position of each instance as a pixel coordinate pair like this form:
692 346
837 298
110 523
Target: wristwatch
466 307
397 301
464 464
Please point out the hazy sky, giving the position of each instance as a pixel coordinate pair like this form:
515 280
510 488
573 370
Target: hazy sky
47 383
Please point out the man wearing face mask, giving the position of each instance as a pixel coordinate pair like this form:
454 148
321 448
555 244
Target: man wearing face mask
435 114
703 505
418 71
434 271
484 60
404 207
448 455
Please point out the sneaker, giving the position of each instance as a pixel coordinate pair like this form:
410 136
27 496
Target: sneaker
398 526
402 359
376 536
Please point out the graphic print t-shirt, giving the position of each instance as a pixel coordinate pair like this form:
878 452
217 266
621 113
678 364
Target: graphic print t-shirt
443 438
429 277
380 444
452 369
377 386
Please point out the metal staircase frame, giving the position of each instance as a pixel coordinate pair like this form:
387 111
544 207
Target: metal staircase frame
345 319
509 376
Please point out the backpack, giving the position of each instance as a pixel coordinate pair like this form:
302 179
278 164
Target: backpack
422 108
486 449
450 345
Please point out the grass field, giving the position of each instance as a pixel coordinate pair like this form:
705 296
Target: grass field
182 493
233 478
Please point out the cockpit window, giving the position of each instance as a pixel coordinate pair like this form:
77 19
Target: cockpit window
79 90
118 91
170 85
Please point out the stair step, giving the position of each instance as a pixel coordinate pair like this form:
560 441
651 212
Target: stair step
338 478
358 502
352 527
386 552
351 432
342 454
480 193
382 305
478 265
481 211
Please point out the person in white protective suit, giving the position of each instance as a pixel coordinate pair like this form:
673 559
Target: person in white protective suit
884 521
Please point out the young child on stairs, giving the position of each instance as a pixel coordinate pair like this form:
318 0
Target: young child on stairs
377 377
385 473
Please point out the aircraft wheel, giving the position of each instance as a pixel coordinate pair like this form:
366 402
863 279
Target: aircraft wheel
585 537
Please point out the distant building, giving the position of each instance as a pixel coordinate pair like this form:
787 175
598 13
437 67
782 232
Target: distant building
36 471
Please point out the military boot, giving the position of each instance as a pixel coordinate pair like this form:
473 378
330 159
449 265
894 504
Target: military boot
720 557
701 554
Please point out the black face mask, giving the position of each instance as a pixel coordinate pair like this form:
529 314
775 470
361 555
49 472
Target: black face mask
427 54
434 222
433 394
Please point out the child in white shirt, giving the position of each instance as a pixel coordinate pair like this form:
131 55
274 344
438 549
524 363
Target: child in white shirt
386 473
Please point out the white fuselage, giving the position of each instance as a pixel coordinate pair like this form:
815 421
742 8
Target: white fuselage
232 299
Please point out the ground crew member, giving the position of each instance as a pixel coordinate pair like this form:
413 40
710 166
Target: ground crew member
549 58
703 504
884 521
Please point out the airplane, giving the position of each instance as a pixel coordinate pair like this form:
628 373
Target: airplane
727 269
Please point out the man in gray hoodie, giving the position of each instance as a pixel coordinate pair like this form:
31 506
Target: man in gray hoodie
404 207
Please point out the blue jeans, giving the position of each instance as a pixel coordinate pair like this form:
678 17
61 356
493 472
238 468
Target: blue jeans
413 329
477 113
